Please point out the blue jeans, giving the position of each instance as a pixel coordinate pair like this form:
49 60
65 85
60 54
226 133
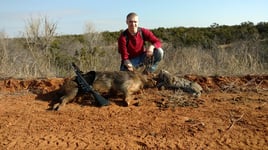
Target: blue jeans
140 60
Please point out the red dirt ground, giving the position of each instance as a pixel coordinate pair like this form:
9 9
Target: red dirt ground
232 113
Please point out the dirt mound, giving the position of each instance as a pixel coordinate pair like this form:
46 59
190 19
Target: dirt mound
232 113
43 85
219 82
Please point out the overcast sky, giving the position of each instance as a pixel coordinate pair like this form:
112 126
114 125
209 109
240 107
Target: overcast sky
71 16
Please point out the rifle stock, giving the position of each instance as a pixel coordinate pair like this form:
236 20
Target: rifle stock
88 88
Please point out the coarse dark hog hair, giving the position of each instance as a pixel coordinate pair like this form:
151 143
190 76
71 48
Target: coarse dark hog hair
112 82
165 80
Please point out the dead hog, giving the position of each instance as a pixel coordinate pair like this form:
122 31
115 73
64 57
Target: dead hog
168 81
111 82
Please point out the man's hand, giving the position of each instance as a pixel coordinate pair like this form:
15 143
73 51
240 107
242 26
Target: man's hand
150 51
129 66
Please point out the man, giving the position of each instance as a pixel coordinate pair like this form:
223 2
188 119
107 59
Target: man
131 46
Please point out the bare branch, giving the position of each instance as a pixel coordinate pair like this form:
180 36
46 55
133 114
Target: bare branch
233 120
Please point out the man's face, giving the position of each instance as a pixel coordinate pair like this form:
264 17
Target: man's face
133 23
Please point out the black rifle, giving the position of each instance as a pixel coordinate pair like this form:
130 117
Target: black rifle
88 88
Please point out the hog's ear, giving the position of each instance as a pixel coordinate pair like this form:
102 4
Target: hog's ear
90 77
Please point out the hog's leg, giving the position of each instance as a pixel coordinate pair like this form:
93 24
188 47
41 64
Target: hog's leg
66 98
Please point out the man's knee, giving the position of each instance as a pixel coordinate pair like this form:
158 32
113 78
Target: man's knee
158 54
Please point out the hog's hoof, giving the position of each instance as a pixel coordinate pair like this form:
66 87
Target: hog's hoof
56 107
137 104
127 103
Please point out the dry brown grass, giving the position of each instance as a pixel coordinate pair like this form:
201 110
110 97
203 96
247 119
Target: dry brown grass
240 58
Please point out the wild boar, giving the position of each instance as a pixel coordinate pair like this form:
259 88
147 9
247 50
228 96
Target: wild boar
111 82
168 81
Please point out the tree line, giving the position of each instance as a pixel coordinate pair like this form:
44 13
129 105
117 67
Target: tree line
206 37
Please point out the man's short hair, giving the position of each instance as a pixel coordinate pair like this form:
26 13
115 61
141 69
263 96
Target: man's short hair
132 14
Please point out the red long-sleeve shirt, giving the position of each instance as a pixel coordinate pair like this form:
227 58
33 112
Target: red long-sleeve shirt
135 44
